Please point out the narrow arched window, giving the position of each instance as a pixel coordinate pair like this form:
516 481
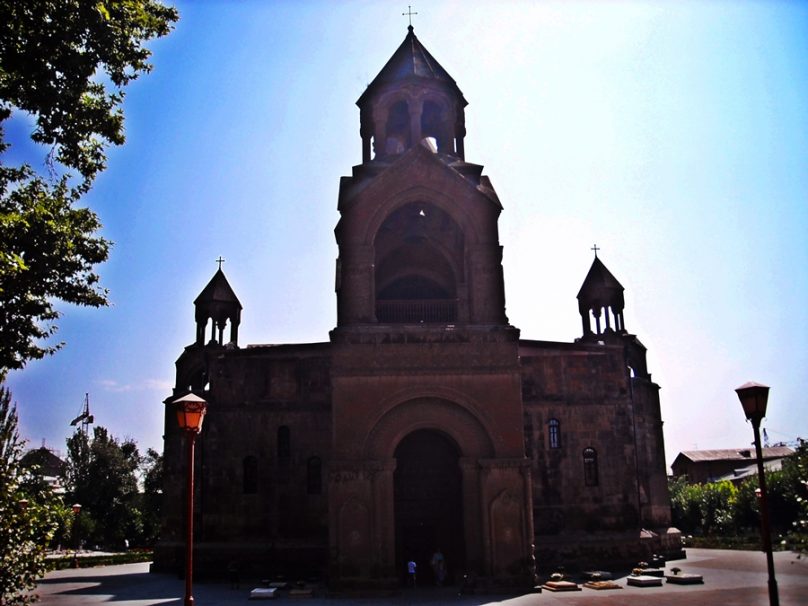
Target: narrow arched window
314 476
284 443
249 477
554 433
590 467
398 129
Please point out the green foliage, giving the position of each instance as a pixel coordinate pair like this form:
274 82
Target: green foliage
721 509
780 488
101 475
152 497
704 509
64 518
27 517
48 250
65 64
716 505
746 509
797 467
685 511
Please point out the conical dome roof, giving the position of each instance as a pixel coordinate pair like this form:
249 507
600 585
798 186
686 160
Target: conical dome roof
218 291
600 288
411 61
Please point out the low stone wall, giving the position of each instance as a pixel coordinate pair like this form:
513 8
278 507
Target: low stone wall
602 550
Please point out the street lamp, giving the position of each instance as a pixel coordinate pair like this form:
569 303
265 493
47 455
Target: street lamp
76 511
190 414
754 398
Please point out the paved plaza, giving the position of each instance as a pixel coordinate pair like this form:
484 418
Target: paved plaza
731 578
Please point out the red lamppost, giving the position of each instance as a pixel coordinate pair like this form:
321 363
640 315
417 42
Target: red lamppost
754 398
190 414
76 507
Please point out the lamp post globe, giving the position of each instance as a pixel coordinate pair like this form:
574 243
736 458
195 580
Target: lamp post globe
190 410
754 398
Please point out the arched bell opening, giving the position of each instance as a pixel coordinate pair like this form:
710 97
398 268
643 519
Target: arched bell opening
416 286
434 128
428 504
418 258
192 375
398 129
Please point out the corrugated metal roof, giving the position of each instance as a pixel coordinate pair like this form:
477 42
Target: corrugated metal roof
735 454
742 473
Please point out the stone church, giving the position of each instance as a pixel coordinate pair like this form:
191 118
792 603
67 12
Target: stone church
425 421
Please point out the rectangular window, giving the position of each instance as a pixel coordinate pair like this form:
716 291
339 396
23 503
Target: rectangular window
590 467
554 433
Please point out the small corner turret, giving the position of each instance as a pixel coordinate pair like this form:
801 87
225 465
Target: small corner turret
601 299
217 304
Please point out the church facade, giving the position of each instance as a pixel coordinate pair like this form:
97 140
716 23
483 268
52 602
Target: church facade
425 422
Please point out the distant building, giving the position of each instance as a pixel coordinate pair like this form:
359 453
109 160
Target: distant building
701 466
47 464
426 420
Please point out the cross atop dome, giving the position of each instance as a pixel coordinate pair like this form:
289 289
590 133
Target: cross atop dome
409 14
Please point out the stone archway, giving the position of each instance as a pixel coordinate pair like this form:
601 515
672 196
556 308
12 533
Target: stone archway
420 429
447 432
428 503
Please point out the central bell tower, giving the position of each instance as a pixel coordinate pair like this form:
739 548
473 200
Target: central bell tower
423 357
418 240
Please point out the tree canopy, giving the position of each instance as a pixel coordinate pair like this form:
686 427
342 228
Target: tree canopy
65 63
101 474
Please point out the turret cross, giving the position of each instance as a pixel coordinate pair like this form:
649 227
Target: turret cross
596 249
220 260
409 14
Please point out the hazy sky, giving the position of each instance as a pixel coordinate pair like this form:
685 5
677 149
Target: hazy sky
672 134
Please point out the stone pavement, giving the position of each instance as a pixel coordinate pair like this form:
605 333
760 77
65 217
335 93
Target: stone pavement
731 578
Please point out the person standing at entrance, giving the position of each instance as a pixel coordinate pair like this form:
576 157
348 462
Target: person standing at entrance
438 564
411 568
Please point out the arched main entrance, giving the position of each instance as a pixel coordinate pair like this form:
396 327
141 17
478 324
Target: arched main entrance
428 503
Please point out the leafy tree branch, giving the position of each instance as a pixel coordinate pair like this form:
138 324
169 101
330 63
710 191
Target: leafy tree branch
67 64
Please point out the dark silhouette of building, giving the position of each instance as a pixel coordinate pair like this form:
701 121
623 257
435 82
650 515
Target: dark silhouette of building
425 421
45 464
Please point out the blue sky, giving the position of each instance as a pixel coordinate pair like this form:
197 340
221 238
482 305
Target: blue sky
672 134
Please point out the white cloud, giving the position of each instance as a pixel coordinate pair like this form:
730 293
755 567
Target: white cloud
114 386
